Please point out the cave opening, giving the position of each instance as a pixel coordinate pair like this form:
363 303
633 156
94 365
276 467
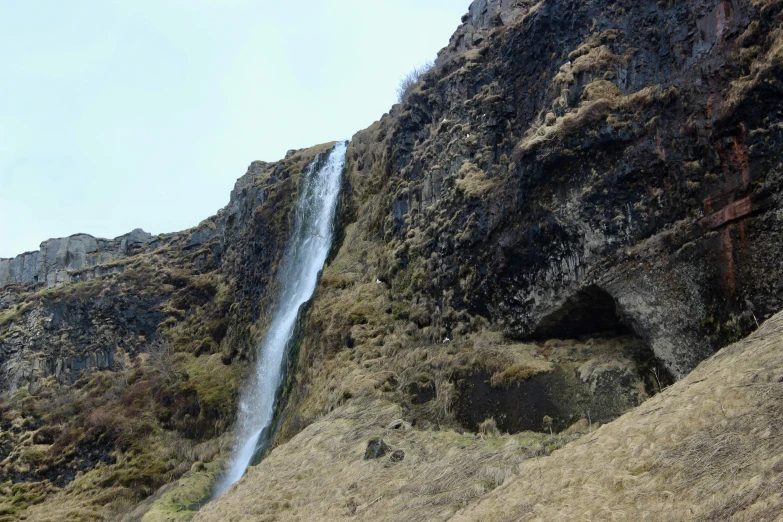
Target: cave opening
592 313
601 368
589 312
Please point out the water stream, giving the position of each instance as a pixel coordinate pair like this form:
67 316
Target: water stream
304 258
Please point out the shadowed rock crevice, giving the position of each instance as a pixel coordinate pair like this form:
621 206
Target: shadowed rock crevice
521 407
600 371
597 379
590 311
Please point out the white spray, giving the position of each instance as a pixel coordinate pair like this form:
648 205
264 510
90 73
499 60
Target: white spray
304 258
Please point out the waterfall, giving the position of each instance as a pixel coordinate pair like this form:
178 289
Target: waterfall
304 258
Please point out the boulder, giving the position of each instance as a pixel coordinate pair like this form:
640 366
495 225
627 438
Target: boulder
376 449
397 456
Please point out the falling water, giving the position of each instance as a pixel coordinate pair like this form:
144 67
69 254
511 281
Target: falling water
305 256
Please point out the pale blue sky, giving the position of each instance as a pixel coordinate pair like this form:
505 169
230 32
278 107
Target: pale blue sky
116 115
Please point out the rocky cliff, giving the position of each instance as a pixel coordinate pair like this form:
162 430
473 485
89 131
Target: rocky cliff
121 360
622 148
578 203
586 170
58 259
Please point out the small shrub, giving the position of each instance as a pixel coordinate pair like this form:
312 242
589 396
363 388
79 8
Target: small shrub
548 422
161 357
47 435
409 81
489 428
32 456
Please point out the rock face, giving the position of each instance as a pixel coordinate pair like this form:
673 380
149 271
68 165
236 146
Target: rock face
597 380
581 170
56 261
632 149
482 17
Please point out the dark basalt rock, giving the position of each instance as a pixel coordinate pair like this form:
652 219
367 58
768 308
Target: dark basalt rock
397 456
421 392
593 148
376 449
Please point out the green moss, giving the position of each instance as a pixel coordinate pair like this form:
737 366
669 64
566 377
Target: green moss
216 385
32 456
185 497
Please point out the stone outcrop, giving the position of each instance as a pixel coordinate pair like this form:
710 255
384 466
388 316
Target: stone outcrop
57 259
592 144
83 257
481 18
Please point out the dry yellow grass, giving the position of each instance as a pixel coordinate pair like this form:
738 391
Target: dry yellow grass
707 448
321 473
473 181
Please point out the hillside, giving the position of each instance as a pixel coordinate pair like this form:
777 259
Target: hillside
538 253
707 448
121 360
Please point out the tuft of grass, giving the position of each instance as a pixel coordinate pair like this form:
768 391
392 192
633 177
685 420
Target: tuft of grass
516 373
473 181
489 428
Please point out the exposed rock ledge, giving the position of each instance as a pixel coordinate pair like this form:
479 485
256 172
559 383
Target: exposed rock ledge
69 259
58 258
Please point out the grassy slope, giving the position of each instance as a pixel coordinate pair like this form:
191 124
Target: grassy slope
321 473
707 448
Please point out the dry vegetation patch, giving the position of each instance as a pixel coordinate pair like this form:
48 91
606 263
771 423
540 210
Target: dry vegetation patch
473 181
708 448
321 474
